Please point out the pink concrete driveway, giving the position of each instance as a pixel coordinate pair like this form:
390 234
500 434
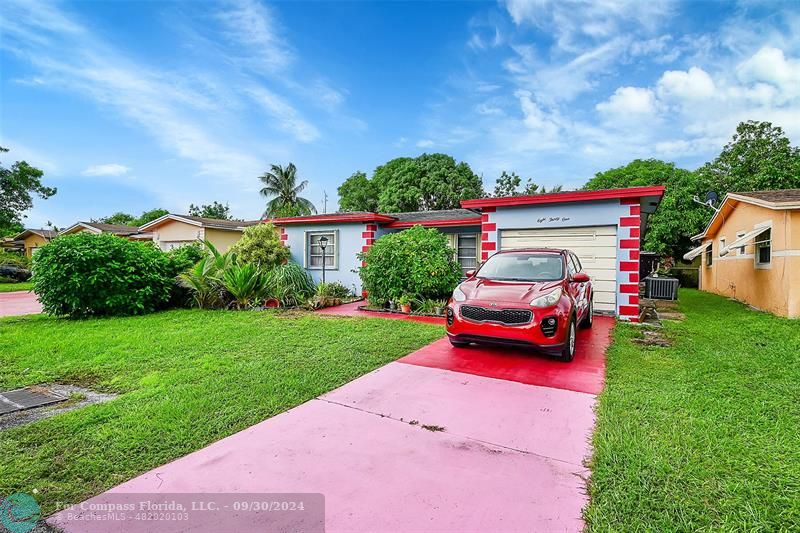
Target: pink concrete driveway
19 303
445 439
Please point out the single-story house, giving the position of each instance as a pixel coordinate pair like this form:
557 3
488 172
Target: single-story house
602 227
129 232
171 231
34 238
751 250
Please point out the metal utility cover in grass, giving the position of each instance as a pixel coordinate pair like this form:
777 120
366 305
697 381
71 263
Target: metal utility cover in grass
20 399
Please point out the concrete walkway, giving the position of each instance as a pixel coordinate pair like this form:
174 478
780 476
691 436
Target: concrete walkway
19 303
444 439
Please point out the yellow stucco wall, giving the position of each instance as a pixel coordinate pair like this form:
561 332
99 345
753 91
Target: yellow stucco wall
33 241
735 275
223 239
175 233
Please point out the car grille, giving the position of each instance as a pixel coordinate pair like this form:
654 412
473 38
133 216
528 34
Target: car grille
512 317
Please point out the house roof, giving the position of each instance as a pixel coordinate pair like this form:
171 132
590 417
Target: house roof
444 217
44 233
203 222
350 216
774 199
655 191
99 227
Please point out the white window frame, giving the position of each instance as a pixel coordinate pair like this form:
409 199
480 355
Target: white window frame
330 233
757 245
458 257
708 255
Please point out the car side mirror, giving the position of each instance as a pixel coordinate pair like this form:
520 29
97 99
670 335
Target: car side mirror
469 273
580 277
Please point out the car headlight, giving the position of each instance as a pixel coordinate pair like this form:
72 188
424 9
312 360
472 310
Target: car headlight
458 295
547 300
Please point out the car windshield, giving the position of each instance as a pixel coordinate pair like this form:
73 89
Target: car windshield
523 267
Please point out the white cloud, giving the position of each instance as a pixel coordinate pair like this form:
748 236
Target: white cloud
286 116
252 25
110 169
769 65
629 103
694 84
425 143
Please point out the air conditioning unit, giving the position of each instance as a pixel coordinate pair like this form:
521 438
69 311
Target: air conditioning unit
661 288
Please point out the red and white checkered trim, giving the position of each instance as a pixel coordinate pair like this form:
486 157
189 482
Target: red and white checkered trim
628 290
369 238
488 233
283 234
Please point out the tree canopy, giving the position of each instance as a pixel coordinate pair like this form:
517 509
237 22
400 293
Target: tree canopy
759 157
213 210
424 183
18 185
126 219
508 185
281 182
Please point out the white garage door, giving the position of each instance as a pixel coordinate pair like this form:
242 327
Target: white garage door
595 246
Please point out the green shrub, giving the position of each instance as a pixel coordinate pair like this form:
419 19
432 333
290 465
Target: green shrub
91 275
333 289
261 246
246 284
185 257
17 260
290 284
415 262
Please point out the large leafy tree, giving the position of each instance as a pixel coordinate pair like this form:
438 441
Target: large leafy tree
358 193
759 157
678 217
427 182
509 185
281 183
126 219
213 210
18 185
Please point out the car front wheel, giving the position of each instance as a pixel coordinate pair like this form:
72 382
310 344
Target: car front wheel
568 352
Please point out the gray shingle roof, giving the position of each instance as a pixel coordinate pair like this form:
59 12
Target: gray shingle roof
219 223
777 196
444 214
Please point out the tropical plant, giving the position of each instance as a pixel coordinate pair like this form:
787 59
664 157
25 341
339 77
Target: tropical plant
246 284
281 182
290 284
508 185
328 294
261 245
84 275
430 306
203 281
417 261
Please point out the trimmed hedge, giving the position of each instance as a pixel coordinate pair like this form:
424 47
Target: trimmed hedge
417 263
95 275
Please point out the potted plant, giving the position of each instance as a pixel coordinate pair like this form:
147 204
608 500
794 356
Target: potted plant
405 304
272 302
392 305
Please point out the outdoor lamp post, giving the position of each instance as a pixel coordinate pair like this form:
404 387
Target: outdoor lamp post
323 243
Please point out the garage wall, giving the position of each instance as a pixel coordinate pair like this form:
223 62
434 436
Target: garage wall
624 214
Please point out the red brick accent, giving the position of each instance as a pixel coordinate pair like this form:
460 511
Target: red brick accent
629 243
629 266
367 234
633 299
629 201
484 255
629 288
284 237
489 245
633 277
489 226
372 227
364 294
490 209
365 248
635 254
629 221
629 310
369 242
635 232
484 217
363 263
484 237
636 209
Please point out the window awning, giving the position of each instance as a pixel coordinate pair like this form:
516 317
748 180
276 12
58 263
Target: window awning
691 254
742 241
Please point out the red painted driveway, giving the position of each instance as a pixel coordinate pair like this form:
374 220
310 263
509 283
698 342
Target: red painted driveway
19 303
445 439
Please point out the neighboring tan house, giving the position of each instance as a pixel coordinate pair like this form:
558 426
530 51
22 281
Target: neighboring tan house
35 238
603 228
751 250
171 231
129 232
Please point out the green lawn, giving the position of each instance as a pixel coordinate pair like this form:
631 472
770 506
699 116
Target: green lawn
11 287
187 378
705 434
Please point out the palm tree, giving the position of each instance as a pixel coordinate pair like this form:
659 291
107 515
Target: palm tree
281 182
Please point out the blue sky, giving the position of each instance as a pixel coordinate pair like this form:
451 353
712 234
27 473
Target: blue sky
129 105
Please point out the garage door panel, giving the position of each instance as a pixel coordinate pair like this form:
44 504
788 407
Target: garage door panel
596 247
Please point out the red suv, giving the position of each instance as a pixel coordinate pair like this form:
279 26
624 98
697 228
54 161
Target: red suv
533 297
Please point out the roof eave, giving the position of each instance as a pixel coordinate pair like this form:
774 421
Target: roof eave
435 223
564 197
337 218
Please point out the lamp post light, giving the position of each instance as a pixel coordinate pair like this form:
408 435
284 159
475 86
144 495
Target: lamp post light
323 243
